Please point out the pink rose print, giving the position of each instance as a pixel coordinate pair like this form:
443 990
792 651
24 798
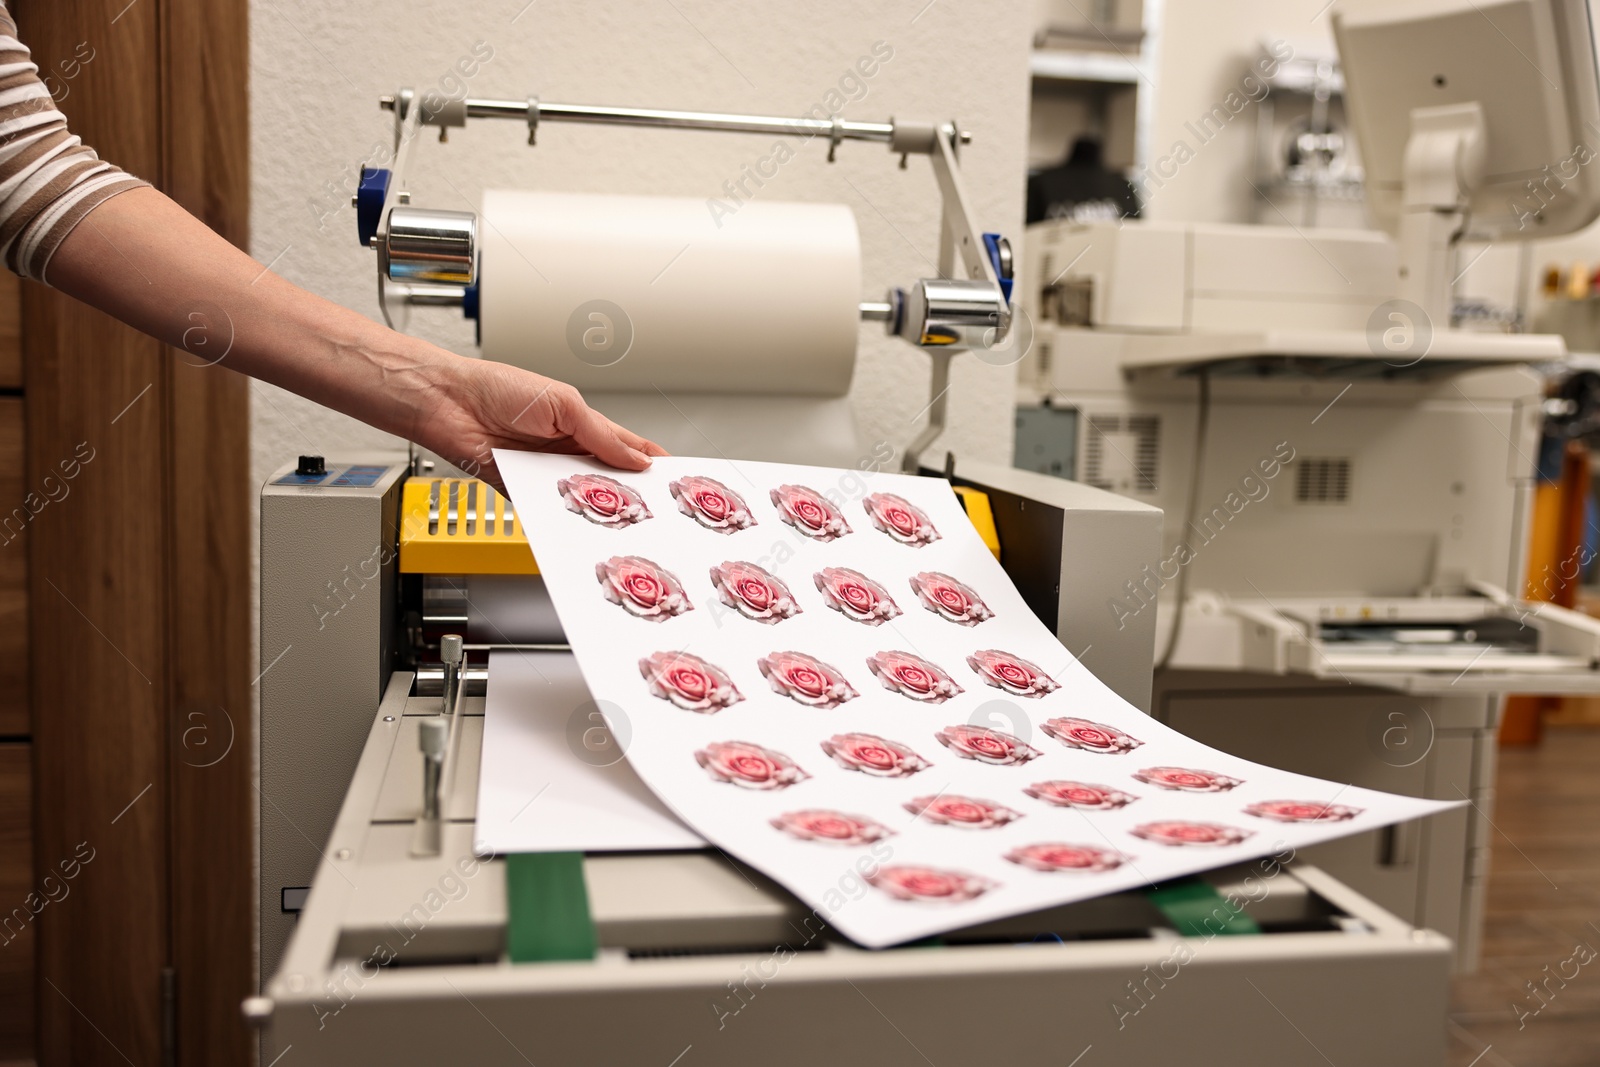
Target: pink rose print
912 676
711 504
805 680
1191 833
642 588
1012 673
1053 857
950 599
1080 795
874 755
930 884
980 743
855 596
968 813
749 766
754 593
809 512
831 827
900 519
1187 780
1090 736
603 501
689 682
1301 811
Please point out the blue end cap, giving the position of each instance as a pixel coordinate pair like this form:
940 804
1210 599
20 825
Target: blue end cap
370 194
991 242
469 302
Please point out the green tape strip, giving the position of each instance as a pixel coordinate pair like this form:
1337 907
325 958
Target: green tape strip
1196 909
548 908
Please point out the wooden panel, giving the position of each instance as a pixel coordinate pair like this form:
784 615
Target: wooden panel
16 512
213 888
99 582
16 909
10 331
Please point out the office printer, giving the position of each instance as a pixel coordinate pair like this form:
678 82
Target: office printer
1347 479
373 953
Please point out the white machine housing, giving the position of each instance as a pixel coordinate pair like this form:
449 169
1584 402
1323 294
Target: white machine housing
1352 614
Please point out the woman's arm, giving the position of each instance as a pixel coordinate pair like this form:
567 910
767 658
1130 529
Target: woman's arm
101 235
143 259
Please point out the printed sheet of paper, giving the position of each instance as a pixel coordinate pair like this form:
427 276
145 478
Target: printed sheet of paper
553 777
827 674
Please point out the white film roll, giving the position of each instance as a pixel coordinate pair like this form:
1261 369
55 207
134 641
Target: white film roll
638 293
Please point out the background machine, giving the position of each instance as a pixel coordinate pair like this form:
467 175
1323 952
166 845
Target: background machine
1345 478
373 567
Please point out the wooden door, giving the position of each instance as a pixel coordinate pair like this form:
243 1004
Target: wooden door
138 580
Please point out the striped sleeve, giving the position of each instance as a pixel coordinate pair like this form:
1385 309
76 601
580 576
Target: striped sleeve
49 179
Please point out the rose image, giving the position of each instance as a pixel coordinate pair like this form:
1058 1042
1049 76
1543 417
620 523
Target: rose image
603 501
930 884
753 592
1187 779
874 755
855 596
1190 833
1012 673
986 746
1054 857
642 588
749 766
912 676
831 827
711 504
1301 811
1080 795
689 682
968 813
1090 736
805 680
809 512
900 519
950 599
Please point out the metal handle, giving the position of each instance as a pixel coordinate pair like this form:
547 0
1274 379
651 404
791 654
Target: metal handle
432 737
452 650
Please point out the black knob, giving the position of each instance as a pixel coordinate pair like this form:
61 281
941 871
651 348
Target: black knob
311 467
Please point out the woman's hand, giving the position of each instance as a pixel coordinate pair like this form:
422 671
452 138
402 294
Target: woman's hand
483 406
460 408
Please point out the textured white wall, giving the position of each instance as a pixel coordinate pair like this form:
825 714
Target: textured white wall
317 69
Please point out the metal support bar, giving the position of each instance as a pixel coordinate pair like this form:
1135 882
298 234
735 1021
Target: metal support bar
681 120
939 386
966 258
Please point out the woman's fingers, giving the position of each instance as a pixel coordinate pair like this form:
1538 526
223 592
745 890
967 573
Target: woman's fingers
638 443
597 435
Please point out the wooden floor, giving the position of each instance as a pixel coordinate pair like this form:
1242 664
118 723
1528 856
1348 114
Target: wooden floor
1543 914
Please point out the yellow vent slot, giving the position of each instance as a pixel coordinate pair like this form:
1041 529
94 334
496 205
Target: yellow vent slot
460 526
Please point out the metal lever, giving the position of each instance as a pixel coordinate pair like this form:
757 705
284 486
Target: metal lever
432 737
452 651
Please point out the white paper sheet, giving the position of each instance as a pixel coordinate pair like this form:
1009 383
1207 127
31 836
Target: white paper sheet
553 777
906 748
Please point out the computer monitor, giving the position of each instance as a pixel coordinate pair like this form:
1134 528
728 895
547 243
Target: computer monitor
1476 119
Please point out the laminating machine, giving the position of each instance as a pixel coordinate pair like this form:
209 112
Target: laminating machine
386 582
372 952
